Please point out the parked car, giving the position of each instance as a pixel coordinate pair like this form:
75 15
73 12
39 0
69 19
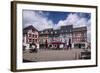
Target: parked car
85 55
33 50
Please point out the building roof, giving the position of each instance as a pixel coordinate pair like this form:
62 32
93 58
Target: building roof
67 26
29 28
79 29
66 29
62 30
49 29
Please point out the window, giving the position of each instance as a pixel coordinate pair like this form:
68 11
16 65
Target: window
30 40
33 35
33 40
55 31
29 35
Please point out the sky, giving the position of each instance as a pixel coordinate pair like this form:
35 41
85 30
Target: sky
52 19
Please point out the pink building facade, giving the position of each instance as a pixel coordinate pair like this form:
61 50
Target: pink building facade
30 36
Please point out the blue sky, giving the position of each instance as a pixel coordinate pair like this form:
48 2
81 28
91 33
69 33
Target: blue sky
54 16
57 16
54 19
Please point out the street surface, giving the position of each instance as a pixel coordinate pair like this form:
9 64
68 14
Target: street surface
51 55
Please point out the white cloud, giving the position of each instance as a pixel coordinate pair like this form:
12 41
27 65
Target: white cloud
72 19
81 22
37 19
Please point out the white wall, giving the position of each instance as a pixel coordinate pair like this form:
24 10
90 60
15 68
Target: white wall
5 37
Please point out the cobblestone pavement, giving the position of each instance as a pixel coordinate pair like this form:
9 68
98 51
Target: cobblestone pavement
51 55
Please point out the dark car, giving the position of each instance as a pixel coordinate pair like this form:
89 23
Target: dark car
85 55
33 48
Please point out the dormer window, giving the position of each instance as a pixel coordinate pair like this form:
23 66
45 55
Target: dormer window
41 32
62 31
55 31
46 31
33 31
51 32
70 30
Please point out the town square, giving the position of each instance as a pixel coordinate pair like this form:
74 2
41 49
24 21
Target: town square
60 36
